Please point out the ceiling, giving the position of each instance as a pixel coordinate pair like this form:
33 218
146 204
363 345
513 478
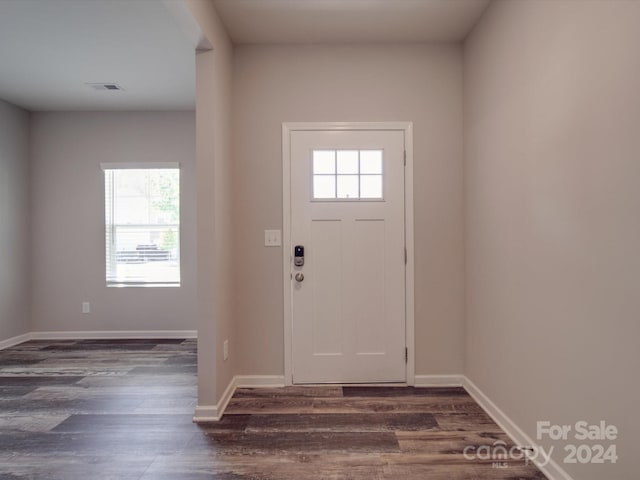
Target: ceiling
349 21
51 49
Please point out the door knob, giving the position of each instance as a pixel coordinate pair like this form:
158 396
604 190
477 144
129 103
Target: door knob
299 277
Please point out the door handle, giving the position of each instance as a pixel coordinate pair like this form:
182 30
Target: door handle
299 277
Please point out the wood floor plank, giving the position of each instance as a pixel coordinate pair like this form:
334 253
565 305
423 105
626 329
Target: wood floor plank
163 370
38 381
181 360
311 391
167 406
74 467
381 391
280 467
340 422
124 422
139 381
270 443
462 471
284 404
112 346
466 421
409 404
130 442
30 423
439 442
14 392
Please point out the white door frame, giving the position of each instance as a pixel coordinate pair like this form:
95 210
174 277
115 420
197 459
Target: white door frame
287 128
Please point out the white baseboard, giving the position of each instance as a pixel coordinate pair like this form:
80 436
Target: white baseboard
552 470
206 413
439 380
259 381
98 335
213 413
10 342
113 334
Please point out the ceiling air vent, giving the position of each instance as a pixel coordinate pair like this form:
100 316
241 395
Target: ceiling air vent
105 86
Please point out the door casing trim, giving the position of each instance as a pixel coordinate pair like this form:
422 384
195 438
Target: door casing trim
287 129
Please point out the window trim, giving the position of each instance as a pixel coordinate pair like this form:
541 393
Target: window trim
335 175
138 165
104 166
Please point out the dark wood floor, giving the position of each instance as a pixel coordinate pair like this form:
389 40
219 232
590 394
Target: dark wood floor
122 410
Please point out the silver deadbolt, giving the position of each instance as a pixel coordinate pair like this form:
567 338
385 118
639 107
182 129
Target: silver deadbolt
299 277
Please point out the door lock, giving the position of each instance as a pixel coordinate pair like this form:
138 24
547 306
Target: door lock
299 277
298 255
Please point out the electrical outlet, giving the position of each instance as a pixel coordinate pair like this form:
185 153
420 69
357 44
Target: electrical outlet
86 307
225 350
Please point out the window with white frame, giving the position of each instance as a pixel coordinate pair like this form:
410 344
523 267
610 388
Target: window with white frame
347 175
142 225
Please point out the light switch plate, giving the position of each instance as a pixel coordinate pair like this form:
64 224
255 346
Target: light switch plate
272 238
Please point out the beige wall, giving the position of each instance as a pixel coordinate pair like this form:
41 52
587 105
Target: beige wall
422 84
215 234
14 221
552 113
67 219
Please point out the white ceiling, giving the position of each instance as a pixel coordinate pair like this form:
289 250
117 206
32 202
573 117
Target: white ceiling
349 21
50 49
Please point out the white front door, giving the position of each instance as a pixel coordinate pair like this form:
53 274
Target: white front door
347 213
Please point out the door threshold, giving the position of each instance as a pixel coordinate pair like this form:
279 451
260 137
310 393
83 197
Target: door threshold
379 384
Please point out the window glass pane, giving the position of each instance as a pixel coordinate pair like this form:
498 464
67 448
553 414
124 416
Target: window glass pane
324 161
371 186
347 174
324 186
347 186
130 202
347 161
164 186
371 161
